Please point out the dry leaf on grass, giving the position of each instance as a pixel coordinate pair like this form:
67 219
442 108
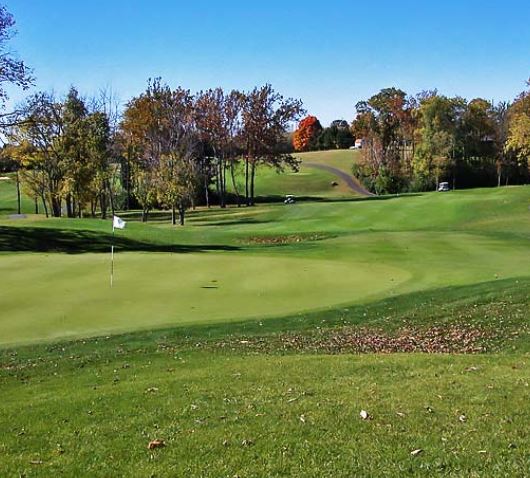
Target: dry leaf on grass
155 444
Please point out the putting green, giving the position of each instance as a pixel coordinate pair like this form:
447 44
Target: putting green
52 295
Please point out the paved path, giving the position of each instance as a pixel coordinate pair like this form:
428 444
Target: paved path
350 181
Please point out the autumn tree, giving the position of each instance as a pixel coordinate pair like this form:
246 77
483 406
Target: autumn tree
66 147
381 121
218 120
266 117
437 116
39 136
159 127
518 137
306 135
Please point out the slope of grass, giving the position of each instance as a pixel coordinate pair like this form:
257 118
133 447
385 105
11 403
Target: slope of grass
245 328
8 197
262 262
342 159
90 407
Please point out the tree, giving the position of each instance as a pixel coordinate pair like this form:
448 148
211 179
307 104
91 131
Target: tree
160 127
266 117
382 123
12 70
306 135
501 137
39 138
518 135
218 119
66 147
437 117
337 136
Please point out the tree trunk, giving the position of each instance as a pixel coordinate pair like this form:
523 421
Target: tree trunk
246 181
206 192
103 205
236 190
36 205
252 176
68 201
145 212
111 197
222 184
173 215
18 194
56 206
128 179
182 212
45 206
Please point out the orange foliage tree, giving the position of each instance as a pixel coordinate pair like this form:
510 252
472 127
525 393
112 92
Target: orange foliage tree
307 133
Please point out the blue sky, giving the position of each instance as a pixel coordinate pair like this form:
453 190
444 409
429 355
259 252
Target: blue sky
330 54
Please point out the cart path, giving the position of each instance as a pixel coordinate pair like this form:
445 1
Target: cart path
351 182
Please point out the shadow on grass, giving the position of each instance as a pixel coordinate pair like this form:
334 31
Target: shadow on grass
37 239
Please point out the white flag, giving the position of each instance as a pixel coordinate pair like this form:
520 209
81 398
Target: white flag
118 223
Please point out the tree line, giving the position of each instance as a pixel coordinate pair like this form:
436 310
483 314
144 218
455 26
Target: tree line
311 136
411 143
168 149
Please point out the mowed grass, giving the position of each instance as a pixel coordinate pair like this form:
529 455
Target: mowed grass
8 197
268 261
306 183
342 159
90 407
237 340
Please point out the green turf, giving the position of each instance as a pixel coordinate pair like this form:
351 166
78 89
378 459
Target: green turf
221 267
231 339
342 159
307 182
8 197
90 407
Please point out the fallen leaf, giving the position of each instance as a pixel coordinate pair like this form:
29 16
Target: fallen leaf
416 452
462 418
155 444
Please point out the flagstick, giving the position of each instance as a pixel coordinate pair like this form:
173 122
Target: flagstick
112 258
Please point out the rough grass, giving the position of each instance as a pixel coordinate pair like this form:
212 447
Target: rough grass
224 408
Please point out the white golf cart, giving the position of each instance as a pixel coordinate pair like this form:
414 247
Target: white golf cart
443 187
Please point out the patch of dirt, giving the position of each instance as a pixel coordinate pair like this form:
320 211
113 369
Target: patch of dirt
449 339
284 239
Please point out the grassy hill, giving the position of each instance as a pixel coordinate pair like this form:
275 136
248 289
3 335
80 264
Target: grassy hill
8 197
342 159
270 260
308 181
250 340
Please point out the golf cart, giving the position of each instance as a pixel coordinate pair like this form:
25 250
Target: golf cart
443 187
289 199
